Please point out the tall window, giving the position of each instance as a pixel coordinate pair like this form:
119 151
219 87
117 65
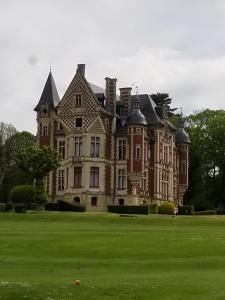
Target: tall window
95 142
61 180
45 130
77 100
94 201
77 177
61 149
67 177
144 182
78 145
165 154
122 149
94 177
138 151
121 179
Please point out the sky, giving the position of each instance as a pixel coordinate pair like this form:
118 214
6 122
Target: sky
172 46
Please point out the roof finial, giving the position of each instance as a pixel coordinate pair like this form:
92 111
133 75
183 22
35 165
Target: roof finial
181 119
50 68
136 87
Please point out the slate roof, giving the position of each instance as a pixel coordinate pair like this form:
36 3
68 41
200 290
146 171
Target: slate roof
49 95
182 137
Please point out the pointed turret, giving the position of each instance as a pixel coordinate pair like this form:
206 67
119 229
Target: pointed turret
49 96
136 117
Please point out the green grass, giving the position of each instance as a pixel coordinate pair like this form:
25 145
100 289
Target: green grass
144 257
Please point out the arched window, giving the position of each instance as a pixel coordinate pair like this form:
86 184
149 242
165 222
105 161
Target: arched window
76 199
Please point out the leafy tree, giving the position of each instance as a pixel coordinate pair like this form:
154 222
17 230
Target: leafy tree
38 162
163 99
11 174
207 158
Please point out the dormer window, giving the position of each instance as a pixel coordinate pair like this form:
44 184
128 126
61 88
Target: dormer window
77 100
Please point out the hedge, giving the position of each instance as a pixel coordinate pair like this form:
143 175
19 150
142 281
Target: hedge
2 207
153 208
186 210
20 208
206 212
22 194
61 205
128 209
167 208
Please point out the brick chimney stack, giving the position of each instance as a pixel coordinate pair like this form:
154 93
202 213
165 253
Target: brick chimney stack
111 94
125 97
81 69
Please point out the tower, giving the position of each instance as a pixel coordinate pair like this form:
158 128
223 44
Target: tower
182 142
136 128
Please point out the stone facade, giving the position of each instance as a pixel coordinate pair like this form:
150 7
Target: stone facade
115 150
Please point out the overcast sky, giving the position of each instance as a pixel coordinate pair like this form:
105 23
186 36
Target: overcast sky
174 46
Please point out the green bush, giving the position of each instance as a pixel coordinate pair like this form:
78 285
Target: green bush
2 207
9 206
65 206
128 209
167 208
20 208
206 212
22 194
153 208
51 206
186 210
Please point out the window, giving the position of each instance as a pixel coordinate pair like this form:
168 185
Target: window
77 99
122 149
77 177
78 122
67 177
94 177
76 199
121 179
165 154
67 147
95 142
61 180
78 146
59 126
94 201
61 149
138 151
121 201
45 130
183 167
144 182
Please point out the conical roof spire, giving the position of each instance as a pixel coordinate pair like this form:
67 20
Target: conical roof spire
49 95
182 136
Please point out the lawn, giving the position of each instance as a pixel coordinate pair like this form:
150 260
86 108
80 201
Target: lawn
143 257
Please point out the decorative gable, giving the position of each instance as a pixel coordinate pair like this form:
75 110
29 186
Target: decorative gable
96 126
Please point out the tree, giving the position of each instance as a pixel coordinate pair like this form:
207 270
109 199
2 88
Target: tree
38 162
207 158
11 174
163 99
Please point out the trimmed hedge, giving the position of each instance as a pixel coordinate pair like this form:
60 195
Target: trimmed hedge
22 194
205 212
20 208
153 208
167 208
61 205
2 207
65 206
128 209
186 210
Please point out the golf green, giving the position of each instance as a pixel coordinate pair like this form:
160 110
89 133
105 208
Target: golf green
114 257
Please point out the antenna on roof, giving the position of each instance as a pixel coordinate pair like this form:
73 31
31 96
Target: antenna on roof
136 87
50 68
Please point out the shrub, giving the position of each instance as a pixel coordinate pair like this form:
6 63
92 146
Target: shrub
51 206
65 206
22 194
9 206
186 210
167 208
2 207
153 208
206 212
20 208
128 209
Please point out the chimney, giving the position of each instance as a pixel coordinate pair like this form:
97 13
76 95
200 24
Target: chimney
81 69
125 97
111 95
